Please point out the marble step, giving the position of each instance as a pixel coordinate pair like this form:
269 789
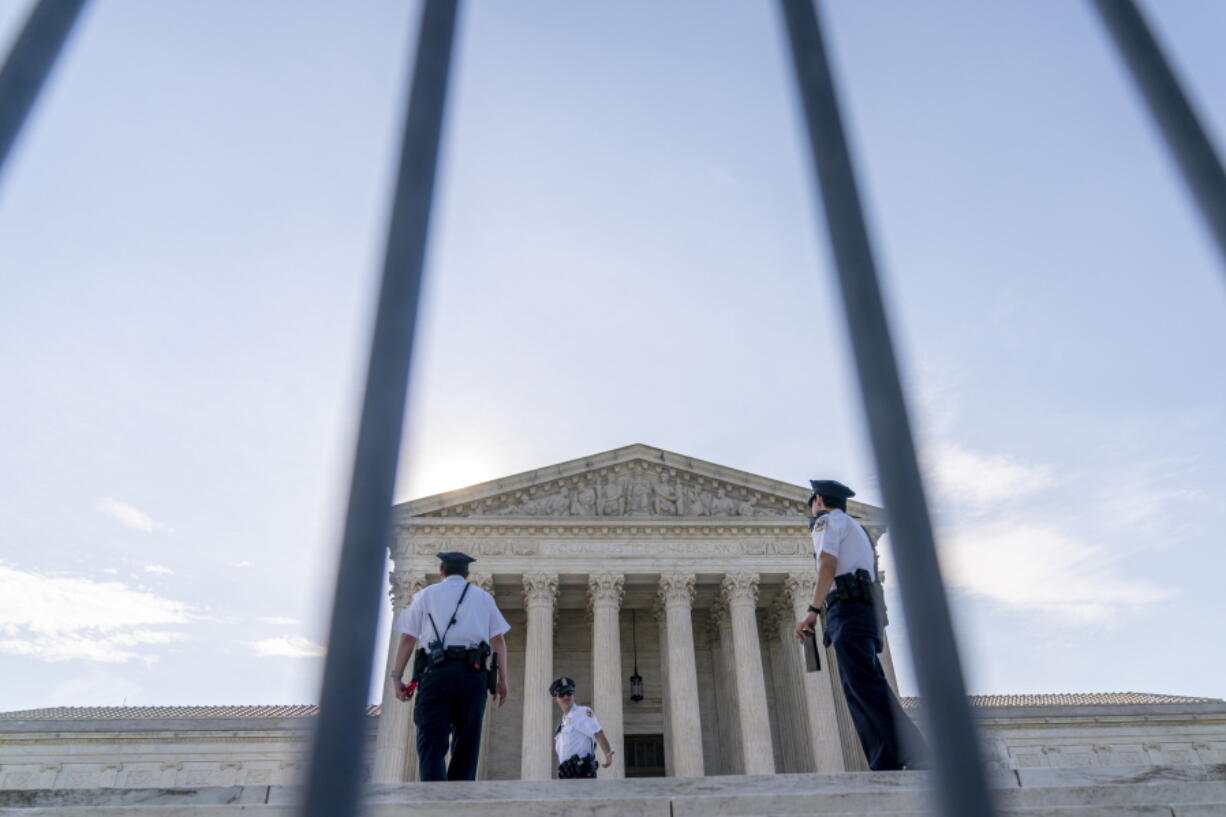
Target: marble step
1182 791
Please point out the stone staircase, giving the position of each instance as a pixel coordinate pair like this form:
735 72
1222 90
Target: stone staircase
1141 791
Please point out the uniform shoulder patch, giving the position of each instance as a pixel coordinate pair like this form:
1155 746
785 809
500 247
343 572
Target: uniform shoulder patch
821 522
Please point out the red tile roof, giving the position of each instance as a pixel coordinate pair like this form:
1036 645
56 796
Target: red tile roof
1074 699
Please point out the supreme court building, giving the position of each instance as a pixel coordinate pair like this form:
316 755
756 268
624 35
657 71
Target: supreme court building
690 572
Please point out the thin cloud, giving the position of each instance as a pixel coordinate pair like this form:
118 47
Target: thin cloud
62 618
130 516
965 477
992 546
160 570
243 563
286 646
108 649
1034 567
284 621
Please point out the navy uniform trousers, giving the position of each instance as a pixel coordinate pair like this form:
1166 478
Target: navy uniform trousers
450 706
888 737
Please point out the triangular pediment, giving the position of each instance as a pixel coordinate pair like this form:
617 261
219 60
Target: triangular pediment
637 481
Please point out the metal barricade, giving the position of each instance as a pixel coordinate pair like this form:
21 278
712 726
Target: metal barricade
336 767
29 62
961 784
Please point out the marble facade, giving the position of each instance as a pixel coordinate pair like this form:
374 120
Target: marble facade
691 572
703 567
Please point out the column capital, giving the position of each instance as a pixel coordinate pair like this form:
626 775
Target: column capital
403 586
782 610
540 589
677 589
605 590
740 589
798 587
482 580
771 616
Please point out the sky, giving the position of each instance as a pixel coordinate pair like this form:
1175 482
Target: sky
625 248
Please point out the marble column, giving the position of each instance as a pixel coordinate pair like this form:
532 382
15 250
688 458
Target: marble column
788 669
823 720
729 724
657 611
887 663
853 753
605 593
486 583
540 596
395 758
677 595
887 656
740 594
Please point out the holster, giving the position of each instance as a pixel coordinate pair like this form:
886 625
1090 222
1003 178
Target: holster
475 656
860 587
421 660
491 680
575 766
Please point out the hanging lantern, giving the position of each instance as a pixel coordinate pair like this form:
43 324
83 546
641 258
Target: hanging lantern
636 680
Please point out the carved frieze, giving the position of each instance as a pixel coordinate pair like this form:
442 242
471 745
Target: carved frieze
634 489
612 548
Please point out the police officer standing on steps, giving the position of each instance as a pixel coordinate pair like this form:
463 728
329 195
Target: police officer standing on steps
847 584
460 626
578 733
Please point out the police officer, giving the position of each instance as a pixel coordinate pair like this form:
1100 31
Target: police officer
577 734
846 582
460 626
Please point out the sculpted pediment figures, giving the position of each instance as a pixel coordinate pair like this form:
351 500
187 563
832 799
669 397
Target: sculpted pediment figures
631 490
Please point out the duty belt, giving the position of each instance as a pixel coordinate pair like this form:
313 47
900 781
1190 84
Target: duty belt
858 586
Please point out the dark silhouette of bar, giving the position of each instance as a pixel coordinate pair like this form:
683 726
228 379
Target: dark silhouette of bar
29 62
338 746
961 785
1185 136
338 750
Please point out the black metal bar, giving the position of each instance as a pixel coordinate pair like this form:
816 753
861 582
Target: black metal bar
338 752
1186 138
30 61
960 781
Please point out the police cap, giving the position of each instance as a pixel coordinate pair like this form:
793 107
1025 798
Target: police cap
454 560
830 487
561 685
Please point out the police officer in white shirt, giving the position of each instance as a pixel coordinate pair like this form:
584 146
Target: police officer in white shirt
846 582
577 734
459 625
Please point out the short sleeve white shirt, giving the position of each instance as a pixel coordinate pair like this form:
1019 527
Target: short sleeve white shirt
477 619
843 538
577 733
